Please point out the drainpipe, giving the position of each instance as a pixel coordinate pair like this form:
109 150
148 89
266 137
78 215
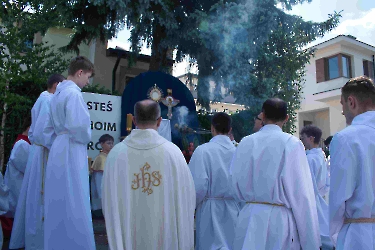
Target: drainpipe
373 67
119 55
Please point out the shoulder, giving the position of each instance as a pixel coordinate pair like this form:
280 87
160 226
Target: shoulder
170 147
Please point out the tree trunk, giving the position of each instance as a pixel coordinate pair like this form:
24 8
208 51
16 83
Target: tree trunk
159 60
2 135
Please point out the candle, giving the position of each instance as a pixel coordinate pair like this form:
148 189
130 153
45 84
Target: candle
129 121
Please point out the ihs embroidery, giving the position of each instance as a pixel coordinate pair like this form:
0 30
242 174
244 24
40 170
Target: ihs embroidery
147 179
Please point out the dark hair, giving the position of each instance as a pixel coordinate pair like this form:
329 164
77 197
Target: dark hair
55 78
106 137
222 122
314 131
360 87
81 63
146 112
275 109
328 140
26 123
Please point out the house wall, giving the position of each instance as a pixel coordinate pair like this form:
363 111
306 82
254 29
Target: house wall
326 95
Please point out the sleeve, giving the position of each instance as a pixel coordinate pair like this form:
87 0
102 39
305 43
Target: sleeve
19 155
78 119
199 173
296 175
44 131
4 193
237 168
343 184
98 164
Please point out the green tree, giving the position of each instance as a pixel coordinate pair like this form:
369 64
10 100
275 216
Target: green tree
24 66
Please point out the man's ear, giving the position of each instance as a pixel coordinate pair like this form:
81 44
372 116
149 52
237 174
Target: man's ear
286 119
134 122
158 121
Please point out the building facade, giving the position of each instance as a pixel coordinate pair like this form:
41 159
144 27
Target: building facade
335 62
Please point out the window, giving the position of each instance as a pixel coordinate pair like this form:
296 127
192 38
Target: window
368 69
345 66
333 67
306 123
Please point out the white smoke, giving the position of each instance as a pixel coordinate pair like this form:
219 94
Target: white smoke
182 115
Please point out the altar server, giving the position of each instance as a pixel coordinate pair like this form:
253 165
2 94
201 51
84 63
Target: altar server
310 137
28 221
67 219
217 211
16 166
270 173
352 194
148 191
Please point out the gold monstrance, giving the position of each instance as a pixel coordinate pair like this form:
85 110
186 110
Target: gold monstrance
170 102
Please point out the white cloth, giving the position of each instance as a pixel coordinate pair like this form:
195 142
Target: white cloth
14 174
96 190
352 193
67 223
148 195
165 129
317 163
328 179
271 166
217 211
28 222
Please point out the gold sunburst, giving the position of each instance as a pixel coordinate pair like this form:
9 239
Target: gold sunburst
155 93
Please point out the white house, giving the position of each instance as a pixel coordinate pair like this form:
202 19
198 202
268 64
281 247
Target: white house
335 62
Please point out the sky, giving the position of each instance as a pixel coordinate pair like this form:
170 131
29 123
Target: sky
358 19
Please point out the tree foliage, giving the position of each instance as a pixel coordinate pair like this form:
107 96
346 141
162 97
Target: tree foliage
24 66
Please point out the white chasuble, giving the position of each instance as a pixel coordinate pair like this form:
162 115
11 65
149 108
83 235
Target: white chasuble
148 195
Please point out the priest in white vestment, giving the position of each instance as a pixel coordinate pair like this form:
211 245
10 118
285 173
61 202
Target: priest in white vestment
352 193
310 137
270 173
67 219
28 225
217 211
148 191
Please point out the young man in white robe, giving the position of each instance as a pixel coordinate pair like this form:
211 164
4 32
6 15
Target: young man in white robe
217 211
14 175
28 222
270 173
67 216
352 191
148 192
310 137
